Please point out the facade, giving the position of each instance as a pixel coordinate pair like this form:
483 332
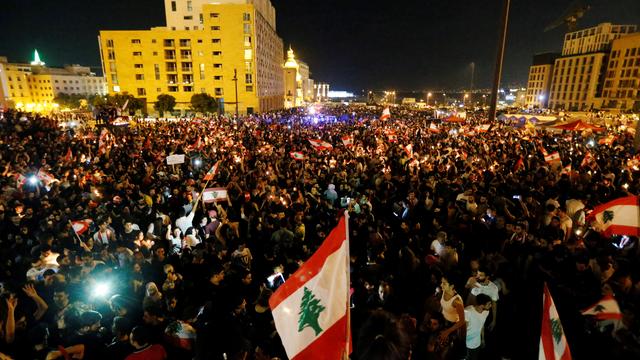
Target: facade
578 76
594 39
236 45
321 92
292 81
622 79
539 82
34 86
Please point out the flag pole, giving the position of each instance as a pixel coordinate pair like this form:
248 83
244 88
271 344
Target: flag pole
82 244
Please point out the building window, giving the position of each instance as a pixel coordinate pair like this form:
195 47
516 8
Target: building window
249 88
247 41
202 72
248 54
248 78
169 43
185 42
215 27
217 53
187 79
217 77
213 15
137 53
199 41
246 17
156 69
218 91
109 43
185 54
173 89
172 78
246 28
138 66
217 66
187 67
142 92
139 76
111 55
187 88
215 41
155 53
169 54
171 67
173 6
248 67
189 17
135 41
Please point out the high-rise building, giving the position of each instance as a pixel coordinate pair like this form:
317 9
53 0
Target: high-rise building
228 49
622 79
539 82
577 79
33 86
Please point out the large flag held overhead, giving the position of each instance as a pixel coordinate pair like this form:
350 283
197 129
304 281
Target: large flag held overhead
320 145
297 155
212 172
554 157
81 226
619 217
433 128
386 114
588 158
311 309
553 342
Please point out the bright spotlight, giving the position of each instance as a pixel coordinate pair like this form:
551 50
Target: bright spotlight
101 290
33 180
197 162
312 110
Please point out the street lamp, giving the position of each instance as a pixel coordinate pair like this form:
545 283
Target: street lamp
428 97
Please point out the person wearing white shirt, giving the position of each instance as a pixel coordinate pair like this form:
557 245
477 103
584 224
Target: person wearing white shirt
481 284
475 316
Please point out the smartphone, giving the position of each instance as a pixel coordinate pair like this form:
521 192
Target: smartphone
516 197
275 280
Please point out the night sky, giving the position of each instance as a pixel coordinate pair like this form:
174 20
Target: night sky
351 44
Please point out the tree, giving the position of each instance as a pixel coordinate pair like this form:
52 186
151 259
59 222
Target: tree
310 309
164 103
203 103
71 101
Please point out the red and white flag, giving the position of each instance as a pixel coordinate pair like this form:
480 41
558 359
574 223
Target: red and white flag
311 309
607 140
605 309
483 128
45 177
553 342
347 140
554 157
566 170
214 194
386 114
320 145
212 172
81 226
102 141
519 165
391 135
619 217
20 180
409 150
68 156
588 158
198 144
433 128
297 155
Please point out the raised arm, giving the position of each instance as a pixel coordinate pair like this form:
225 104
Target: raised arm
40 303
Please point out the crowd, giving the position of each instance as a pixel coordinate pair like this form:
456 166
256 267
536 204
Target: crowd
107 252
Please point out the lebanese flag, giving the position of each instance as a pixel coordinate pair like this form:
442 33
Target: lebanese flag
619 216
68 156
433 128
391 135
198 144
347 140
81 226
553 342
409 150
102 141
519 165
320 145
483 128
311 309
588 158
605 309
297 155
386 114
212 172
45 177
552 158
20 180
566 170
607 140
214 194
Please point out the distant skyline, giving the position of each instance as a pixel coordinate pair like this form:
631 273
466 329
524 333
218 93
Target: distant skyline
350 44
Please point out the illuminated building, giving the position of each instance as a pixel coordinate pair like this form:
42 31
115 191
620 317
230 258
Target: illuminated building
622 79
539 82
577 79
202 50
321 92
33 86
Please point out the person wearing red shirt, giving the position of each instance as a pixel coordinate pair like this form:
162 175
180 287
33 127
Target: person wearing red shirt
140 339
